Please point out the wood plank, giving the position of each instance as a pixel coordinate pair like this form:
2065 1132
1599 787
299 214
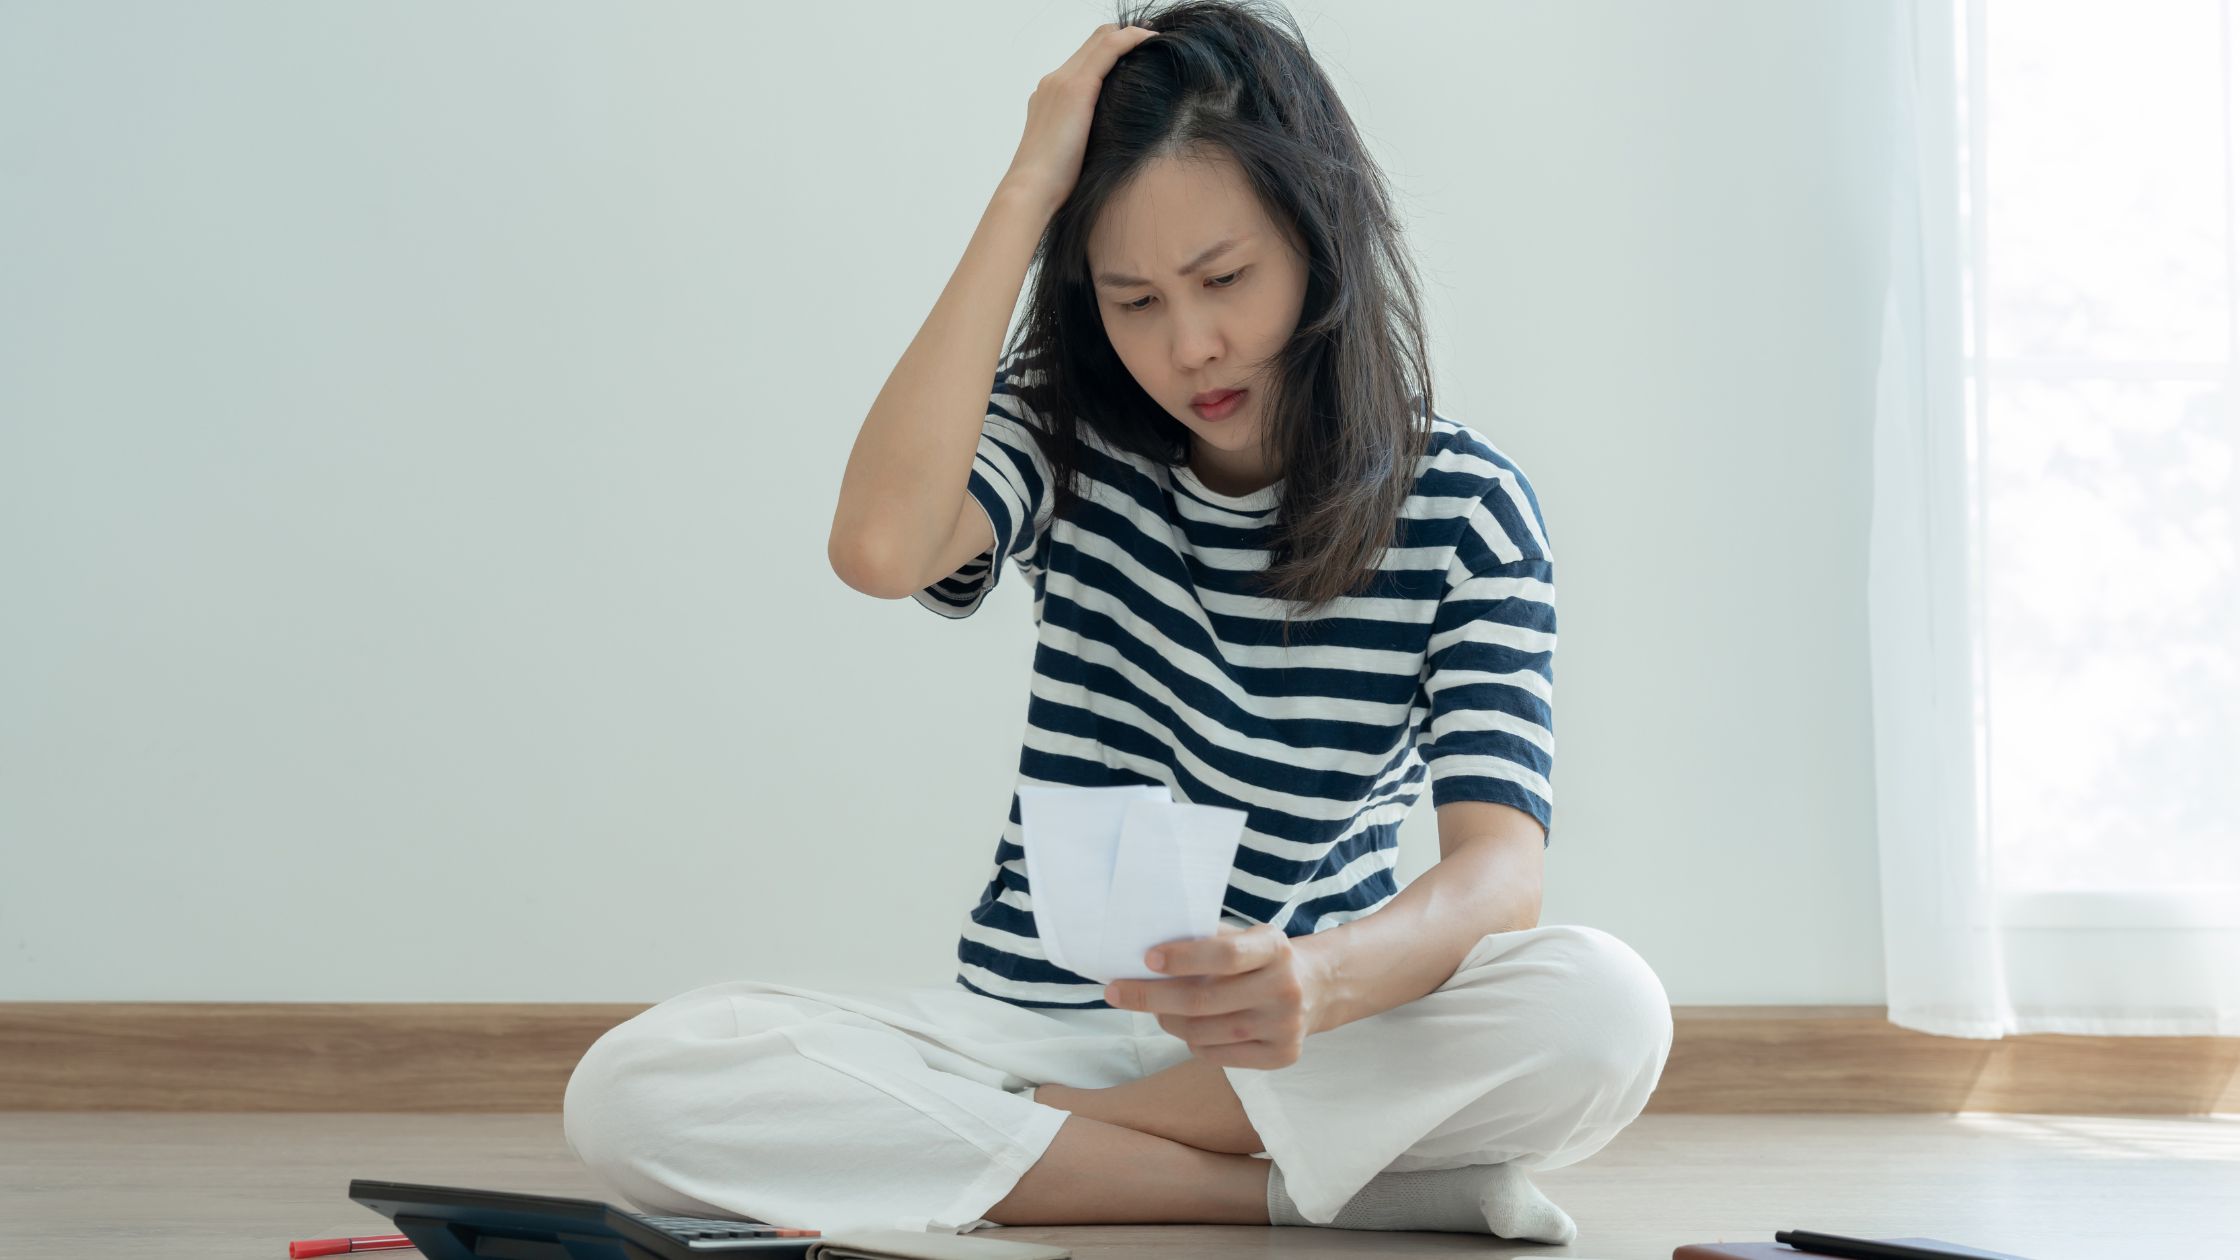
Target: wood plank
288 1056
1769 1059
516 1057
238 1187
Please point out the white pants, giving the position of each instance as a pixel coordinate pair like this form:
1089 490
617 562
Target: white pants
906 1108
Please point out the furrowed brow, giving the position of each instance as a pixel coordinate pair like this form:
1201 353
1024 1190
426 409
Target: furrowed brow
1114 280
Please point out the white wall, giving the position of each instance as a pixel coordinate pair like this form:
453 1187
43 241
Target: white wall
420 424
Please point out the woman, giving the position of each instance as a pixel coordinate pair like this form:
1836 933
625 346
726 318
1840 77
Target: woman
1268 576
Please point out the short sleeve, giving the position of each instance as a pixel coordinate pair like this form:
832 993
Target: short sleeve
1489 669
1010 480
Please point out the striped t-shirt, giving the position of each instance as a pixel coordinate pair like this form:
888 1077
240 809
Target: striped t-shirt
1156 663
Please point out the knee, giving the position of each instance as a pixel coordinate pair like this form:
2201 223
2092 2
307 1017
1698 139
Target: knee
1616 1021
644 1084
607 1111
653 1083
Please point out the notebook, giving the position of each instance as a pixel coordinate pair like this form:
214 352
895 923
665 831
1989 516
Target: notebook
910 1244
1783 1251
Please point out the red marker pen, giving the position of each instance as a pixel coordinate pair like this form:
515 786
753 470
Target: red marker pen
337 1246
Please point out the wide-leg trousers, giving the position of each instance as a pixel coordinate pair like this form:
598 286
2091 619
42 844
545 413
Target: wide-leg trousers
907 1107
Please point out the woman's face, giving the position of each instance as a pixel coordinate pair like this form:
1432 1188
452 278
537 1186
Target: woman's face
1216 328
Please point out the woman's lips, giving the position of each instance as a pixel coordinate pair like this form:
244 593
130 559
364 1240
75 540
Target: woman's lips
1221 408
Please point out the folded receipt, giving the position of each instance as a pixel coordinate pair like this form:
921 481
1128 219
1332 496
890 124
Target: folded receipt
1114 871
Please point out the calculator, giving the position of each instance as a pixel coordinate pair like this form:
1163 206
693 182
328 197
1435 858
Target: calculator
464 1223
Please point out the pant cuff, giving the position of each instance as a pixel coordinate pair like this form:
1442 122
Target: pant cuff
1311 1191
964 1213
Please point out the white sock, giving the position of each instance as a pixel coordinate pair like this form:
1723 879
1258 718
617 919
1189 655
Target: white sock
1492 1199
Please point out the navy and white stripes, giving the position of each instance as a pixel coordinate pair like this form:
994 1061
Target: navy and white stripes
1155 663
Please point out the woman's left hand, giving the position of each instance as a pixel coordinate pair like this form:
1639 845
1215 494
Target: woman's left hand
1242 998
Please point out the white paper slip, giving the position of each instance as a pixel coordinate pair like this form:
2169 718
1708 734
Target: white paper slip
1114 871
1070 835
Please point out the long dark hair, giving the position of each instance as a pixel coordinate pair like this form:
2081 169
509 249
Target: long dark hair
1348 401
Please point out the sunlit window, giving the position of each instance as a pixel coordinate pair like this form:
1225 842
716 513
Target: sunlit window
2097 194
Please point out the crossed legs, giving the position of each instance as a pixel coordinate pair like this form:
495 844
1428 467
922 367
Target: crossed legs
1172 1147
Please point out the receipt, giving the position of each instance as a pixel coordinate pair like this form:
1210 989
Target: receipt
1114 871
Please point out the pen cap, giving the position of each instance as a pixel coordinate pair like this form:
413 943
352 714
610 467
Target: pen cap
317 1247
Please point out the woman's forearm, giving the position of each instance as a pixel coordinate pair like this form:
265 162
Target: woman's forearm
1411 945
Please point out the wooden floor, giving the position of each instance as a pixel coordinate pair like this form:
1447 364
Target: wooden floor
118 1185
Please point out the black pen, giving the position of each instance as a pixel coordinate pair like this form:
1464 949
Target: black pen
1865 1248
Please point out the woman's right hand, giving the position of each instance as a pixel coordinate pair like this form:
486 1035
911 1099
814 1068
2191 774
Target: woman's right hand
1049 158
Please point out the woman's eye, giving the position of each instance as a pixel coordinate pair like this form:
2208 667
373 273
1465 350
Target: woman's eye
1131 306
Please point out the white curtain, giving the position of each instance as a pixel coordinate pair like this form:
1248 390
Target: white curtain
2053 627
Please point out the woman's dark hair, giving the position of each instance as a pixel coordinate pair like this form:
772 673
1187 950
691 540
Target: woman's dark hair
1348 401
